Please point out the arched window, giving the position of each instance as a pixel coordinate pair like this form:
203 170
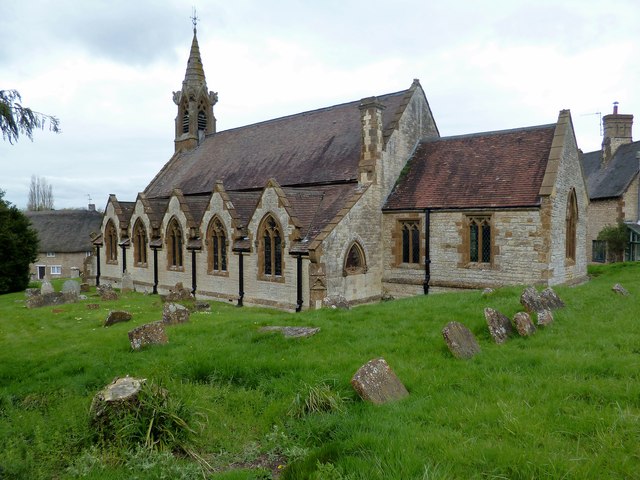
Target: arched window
217 237
410 241
111 242
479 239
185 117
571 224
139 244
354 262
174 244
270 248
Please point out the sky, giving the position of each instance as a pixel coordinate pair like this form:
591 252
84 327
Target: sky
107 70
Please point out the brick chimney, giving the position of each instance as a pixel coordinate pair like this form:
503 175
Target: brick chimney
617 131
372 141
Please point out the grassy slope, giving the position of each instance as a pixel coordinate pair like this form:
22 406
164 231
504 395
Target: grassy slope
562 404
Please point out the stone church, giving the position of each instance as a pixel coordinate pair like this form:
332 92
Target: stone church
354 201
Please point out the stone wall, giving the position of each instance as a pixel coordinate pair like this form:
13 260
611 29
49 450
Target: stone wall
601 213
630 202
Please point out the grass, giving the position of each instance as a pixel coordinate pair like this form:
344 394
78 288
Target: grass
564 403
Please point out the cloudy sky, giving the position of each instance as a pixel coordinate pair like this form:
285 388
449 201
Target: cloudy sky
107 70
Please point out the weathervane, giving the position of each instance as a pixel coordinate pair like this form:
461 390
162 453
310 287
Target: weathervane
194 20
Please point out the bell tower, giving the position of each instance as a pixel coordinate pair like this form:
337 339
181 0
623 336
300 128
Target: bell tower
195 103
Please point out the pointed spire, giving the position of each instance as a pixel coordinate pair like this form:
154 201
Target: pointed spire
194 76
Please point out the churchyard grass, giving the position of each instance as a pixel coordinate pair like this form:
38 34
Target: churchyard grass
564 403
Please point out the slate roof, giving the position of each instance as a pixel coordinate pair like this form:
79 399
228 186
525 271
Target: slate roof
493 169
65 231
316 147
614 179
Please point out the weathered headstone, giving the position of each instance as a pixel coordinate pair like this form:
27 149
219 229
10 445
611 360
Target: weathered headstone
93 306
487 291
178 293
30 292
121 393
499 325
461 342
523 323
551 299
148 334
292 332
46 287
201 306
50 299
545 317
117 316
127 283
173 313
336 301
375 382
71 286
531 300
85 287
620 290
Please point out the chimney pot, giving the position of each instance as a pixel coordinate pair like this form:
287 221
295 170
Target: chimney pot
615 108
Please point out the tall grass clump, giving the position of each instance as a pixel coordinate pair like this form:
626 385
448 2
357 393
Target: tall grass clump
321 397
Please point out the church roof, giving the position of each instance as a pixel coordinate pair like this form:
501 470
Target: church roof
493 169
65 231
316 147
613 179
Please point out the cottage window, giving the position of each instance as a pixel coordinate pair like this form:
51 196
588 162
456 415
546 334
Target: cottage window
111 242
270 248
599 251
410 241
480 244
56 269
140 245
571 222
51 254
355 261
217 246
174 245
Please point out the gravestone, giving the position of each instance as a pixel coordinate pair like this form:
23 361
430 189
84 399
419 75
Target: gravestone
531 300
201 306
85 287
375 382
523 323
551 299
121 393
46 287
336 301
545 317
499 325
71 286
173 313
107 292
93 306
620 290
292 332
51 299
117 316
178 293
148 334
30 292
127 283
461 342
487 291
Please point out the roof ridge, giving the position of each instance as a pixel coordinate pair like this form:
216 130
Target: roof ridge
490 132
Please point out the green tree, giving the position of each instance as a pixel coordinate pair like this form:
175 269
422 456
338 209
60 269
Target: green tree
18 247
16 119
617 238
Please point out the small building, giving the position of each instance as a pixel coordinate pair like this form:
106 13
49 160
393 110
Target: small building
613 184
66 250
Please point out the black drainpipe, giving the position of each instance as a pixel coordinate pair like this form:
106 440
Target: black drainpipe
155 271
240 279
427 253
193 272
299 284
124 259
98 262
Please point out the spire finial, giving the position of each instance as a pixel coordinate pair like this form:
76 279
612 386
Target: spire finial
194 20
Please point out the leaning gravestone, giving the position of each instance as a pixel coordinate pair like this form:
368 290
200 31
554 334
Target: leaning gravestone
120 394
375 382
51 299
71 286
178 293
173 313
46 287
107 292
551 299
499 325
127 283
292 332
30 292
117 316
460 340
524 325
545 317
148 334
531 300
619 289
201 306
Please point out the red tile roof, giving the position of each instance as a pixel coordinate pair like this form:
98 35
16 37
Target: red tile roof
493 169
